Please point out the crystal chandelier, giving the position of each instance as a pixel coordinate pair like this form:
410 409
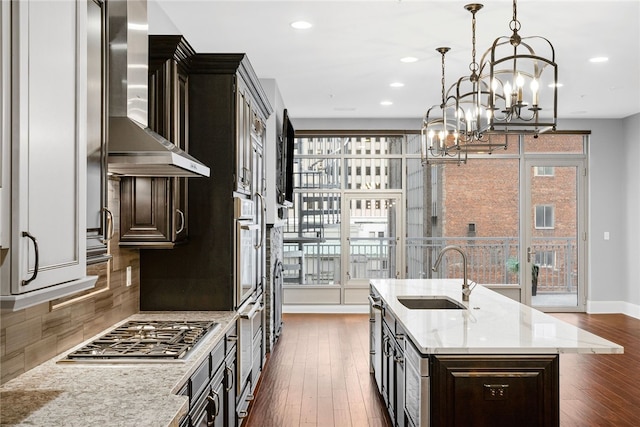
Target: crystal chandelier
439 136
522 83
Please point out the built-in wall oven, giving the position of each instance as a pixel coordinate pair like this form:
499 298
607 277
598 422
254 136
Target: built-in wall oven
248 235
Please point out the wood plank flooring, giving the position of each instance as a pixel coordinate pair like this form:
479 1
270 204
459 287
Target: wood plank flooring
318 375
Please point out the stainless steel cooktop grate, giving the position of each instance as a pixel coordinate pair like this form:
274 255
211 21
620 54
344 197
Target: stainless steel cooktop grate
146 339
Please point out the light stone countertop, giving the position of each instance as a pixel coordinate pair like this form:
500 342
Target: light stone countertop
491 324
137 394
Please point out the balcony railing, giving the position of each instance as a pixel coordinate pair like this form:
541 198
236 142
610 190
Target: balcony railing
489 260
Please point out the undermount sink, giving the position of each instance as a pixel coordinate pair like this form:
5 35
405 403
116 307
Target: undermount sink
435 302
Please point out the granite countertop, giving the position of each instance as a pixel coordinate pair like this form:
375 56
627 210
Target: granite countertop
108 394
491 324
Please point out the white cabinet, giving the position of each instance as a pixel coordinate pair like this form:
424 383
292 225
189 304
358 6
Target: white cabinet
47 65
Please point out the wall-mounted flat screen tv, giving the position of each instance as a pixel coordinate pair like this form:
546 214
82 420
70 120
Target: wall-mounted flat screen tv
285 160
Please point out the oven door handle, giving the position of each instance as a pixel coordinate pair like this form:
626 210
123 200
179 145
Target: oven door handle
250 226
250 314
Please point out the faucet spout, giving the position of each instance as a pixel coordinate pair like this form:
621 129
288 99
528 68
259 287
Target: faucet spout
466 290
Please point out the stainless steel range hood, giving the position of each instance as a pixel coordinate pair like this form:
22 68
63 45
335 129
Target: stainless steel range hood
134 149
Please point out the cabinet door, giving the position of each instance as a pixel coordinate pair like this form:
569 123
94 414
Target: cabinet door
243 140
399 368
99 218
154 210
258 184
168 116
388 374
145 209
48 144
216 399
230 387
514 390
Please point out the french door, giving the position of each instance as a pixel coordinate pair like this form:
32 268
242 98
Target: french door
554 234
371 230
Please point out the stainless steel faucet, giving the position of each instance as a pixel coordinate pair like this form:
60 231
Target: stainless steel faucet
466 290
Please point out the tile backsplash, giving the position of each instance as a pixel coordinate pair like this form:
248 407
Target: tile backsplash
31 336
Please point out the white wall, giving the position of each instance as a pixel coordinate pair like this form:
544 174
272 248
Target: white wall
613 207
632 156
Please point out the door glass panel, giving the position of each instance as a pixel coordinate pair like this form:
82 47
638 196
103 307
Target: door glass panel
312 239
373 146
372 238
550 143
552 252
373 173
474 206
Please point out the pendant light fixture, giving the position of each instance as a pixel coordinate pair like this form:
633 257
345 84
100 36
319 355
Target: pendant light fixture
439 137
472 94
522 82
473 111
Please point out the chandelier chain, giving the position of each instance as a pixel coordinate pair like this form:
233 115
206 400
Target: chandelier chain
474 65
514 25
442 79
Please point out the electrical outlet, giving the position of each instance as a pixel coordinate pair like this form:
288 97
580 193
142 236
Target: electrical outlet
129 275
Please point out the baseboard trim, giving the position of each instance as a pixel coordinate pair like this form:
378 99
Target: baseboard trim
328 309
604 307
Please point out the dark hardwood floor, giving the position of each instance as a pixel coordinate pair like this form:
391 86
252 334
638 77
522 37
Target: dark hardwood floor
318 375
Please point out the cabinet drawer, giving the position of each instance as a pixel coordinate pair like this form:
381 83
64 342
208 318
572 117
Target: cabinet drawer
217 357
198 381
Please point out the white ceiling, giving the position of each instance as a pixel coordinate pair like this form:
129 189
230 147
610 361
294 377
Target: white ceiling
342 67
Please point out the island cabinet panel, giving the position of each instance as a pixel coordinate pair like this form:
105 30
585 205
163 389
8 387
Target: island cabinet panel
495 390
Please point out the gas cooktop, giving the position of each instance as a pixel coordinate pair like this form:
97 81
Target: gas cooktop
144 339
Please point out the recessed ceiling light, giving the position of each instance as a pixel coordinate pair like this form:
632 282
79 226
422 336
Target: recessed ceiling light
409 59
386 103
599 59
397 84
301 25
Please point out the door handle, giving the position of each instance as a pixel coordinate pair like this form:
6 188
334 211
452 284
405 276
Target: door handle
181 215
263 220
530 252
109 230
36 267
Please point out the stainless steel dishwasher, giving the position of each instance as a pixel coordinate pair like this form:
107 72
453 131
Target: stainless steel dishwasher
416 387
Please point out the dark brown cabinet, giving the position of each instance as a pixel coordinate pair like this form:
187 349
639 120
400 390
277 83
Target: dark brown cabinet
154 211
496 390
211 388
227 113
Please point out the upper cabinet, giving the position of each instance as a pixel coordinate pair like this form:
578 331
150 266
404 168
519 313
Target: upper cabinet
99 218
154 209
48 116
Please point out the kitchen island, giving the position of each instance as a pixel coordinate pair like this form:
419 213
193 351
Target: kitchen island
491 361
139 393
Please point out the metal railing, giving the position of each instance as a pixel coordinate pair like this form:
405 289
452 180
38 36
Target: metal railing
490 260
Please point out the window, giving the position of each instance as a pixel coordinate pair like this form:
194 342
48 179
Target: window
544 171
544 217
545 259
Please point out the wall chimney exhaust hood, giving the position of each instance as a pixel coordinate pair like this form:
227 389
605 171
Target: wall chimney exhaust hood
134 149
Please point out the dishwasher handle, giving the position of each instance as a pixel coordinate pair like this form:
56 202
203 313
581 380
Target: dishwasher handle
375 303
